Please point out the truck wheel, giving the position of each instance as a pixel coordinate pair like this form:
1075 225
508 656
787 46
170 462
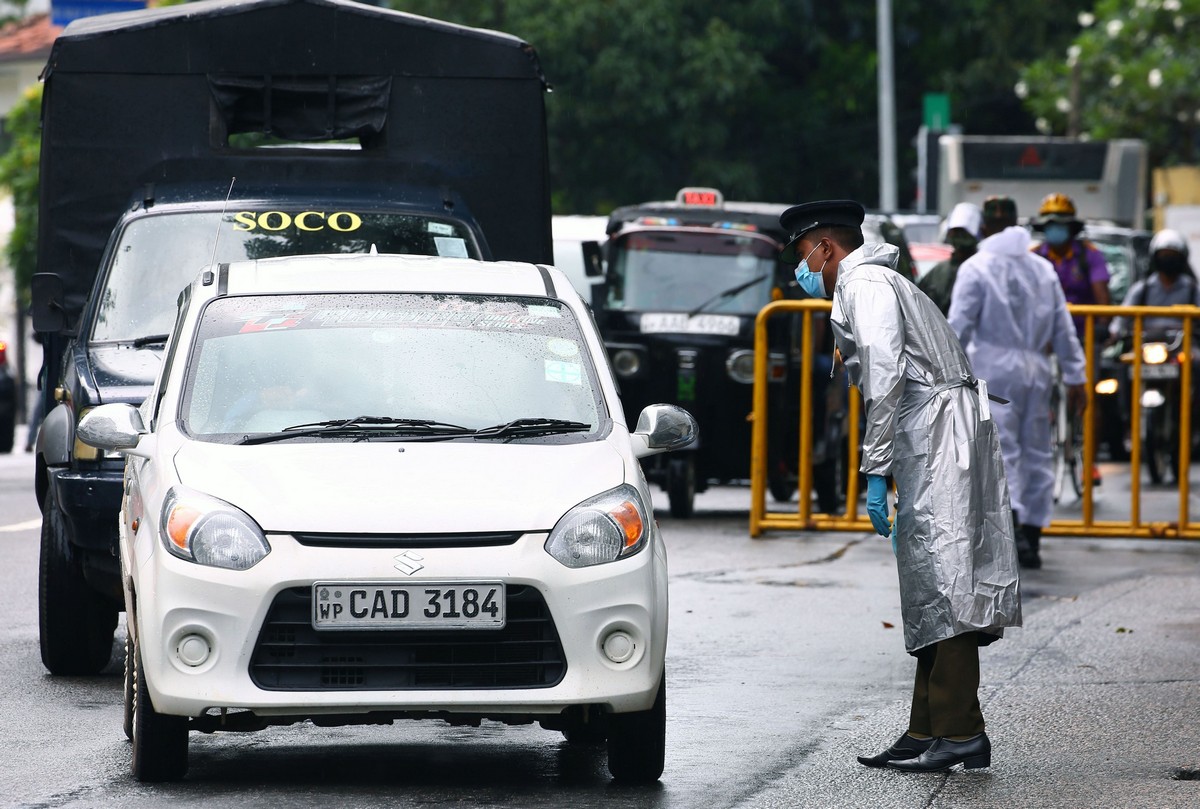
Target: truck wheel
127 719
637 742
8 427
160 742
75 622
681 486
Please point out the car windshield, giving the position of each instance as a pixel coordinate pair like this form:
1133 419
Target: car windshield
262 364
678 271
157 256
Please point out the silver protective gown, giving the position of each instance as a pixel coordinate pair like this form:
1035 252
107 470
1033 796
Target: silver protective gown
927 427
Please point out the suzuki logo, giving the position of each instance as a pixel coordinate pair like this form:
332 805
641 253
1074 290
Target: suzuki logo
409 562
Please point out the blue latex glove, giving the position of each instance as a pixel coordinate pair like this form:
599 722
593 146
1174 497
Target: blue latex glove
877 505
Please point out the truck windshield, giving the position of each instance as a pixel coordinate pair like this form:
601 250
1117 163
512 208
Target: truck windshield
678 271
158 255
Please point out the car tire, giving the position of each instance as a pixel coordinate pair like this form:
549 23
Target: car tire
160 742
127 719
681 486
75 623
637 742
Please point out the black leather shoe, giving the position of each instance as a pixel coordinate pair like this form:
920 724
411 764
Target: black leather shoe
905 747
943 754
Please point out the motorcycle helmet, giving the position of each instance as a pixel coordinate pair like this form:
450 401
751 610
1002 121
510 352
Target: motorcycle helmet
1168 239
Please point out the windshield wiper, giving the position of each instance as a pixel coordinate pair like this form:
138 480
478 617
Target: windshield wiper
151 339
532 426
729 293
362 427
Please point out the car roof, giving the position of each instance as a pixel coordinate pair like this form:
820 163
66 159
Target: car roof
362 272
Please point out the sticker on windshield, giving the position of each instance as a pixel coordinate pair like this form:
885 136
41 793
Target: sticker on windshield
562 347
311 221
450 246
544 311
440 228
569 373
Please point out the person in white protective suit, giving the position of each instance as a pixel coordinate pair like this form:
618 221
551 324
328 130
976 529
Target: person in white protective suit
928 426
1008 310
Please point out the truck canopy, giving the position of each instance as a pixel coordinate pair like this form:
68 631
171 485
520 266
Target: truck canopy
400 106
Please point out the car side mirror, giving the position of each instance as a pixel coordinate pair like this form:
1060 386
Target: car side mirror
112 427
662 428
593 260
48 313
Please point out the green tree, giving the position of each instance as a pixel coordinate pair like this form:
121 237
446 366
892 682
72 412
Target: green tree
765 99
1130 71
19 174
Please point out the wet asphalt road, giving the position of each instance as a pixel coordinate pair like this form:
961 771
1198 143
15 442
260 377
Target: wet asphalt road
781 650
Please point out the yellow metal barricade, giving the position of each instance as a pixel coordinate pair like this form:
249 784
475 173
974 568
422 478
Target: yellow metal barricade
1087 525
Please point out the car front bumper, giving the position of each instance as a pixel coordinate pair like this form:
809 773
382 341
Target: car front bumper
177 601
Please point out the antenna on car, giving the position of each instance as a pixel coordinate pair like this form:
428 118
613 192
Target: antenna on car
221 219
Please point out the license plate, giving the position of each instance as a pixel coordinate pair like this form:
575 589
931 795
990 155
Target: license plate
408 605
680 323
1168 370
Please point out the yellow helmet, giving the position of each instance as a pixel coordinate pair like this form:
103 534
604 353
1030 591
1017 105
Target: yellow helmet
1057 208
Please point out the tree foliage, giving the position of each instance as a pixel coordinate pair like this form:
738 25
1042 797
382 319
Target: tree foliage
766 99
1135 66
19 174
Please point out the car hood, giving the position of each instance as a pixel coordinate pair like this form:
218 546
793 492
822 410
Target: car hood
388 487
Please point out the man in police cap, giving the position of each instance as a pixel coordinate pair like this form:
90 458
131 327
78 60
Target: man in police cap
928 425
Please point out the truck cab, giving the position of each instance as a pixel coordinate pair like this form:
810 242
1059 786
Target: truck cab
184 136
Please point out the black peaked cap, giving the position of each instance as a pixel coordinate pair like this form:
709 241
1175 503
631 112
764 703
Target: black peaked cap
800 219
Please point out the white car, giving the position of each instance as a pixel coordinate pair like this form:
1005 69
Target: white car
375 487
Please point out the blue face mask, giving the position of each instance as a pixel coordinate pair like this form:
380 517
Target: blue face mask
811 282
1057 234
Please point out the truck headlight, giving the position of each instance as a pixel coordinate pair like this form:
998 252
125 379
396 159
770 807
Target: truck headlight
208 531
601 529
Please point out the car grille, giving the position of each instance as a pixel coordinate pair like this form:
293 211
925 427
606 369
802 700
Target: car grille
291 655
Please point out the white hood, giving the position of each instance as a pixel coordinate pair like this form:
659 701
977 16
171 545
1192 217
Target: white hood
382 487
1012 241
881 253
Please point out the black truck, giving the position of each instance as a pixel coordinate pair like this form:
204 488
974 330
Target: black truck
178 137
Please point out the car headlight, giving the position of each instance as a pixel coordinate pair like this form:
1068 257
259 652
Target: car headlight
740 366
208 531
601 529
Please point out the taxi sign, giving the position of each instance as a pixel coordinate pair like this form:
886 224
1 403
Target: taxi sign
704 197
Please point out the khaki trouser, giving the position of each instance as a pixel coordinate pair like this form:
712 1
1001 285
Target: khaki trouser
946 692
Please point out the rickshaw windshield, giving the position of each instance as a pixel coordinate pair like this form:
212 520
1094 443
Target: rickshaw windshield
678 271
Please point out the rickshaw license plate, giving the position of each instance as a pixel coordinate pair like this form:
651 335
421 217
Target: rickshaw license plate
408 605
1167 370
680 323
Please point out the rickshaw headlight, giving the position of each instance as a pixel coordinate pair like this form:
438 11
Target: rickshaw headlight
740 366
626 362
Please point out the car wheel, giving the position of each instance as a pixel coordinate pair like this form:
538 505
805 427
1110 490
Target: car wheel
637 742
681 486
75 622
128 717
160 742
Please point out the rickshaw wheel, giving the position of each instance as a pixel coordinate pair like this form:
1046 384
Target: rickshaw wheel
681 485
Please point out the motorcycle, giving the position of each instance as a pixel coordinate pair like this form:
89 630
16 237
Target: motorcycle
1161 373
